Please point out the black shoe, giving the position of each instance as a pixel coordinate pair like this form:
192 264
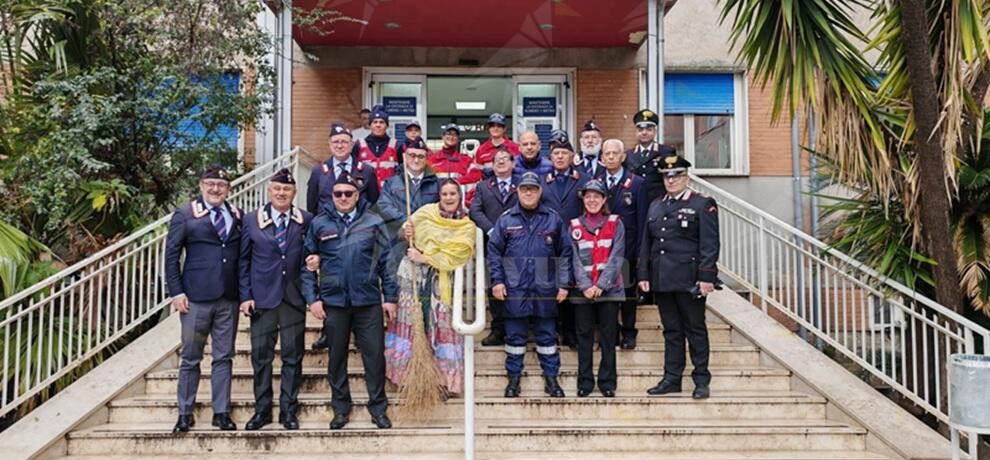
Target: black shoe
339 421
570 342
224 422
512 389
321 342
583 393
493 339
628 343
608 393
664 387
257 421
182 425
701 392
551 387
290 421
381 421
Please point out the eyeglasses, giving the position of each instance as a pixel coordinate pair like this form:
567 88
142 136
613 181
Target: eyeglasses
343 193
417 156
216 184
501 159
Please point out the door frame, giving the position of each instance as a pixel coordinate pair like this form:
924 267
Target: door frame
567 76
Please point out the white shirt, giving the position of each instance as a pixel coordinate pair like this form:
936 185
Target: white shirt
617 176
274 215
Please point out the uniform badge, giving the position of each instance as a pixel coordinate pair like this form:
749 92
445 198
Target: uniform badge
576 234
684 224
549 239
627 197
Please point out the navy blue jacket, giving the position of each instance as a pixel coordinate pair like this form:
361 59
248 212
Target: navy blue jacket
530 253
269 276
571 205
210 269
541 166
680 243
319 189
629 200
392 202
585 166
488 205
647 166
352 260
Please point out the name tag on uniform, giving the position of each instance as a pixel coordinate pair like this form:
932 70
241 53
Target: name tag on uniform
328 236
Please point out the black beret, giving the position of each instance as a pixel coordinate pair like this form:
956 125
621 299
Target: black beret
559 140
215 172
339 128
590 125
347 179
415 143
284 176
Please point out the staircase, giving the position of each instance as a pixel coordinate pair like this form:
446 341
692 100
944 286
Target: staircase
754 412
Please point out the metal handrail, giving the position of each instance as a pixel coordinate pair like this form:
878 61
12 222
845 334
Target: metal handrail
899 336
55 326
469 330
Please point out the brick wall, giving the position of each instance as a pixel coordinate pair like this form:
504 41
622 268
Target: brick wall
319 97
610 97
769 145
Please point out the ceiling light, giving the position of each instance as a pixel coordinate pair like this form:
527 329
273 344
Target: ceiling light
392 25
546 26
470 105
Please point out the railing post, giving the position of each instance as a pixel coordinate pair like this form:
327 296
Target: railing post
761 245
468 330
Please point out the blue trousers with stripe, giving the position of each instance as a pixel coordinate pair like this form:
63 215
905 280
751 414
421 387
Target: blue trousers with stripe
516 335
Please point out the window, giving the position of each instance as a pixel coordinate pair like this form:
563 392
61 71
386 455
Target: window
704 118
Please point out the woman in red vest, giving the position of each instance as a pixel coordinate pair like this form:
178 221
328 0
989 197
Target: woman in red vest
597 240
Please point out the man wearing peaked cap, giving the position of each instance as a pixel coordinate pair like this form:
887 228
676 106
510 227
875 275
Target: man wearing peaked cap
645 158
678 267
271 257
529 255
378 149
323 175
589 159
204 291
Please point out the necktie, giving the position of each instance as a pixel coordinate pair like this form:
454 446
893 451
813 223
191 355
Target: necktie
503 189
347 220
415 182
281 233
219 224
611 182
341 168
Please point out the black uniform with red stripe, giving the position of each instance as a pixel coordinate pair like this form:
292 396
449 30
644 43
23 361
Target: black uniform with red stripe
679 249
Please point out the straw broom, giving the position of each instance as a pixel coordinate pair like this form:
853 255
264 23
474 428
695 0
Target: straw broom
420 387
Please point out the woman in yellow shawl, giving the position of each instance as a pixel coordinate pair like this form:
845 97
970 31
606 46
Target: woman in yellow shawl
442 239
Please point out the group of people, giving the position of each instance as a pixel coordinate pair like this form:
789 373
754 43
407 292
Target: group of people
574 240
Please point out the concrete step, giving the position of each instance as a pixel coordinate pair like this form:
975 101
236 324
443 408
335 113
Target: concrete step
722 355
492 435
493 380
630 406
505 455
648 333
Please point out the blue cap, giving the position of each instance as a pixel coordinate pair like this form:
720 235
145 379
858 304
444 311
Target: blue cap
496 119
593 185
531 179
378 111
414 123
450 127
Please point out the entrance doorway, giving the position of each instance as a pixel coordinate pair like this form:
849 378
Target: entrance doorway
538 102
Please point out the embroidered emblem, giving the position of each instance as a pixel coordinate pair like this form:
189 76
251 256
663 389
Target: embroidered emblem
576 234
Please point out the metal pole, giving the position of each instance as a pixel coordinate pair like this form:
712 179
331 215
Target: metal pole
469 397
813 188
284 107
654 61
660 69
798 222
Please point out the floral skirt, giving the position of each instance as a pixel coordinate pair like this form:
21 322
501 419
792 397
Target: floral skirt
447 344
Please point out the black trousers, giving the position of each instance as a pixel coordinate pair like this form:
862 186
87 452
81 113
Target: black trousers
369 333
629 307
585 315
565 321
497 308
287 323
683 317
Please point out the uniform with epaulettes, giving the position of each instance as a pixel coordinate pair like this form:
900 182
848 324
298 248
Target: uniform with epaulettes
680 246
319 189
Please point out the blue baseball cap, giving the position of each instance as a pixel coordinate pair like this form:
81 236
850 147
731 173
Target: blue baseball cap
530 178
496 119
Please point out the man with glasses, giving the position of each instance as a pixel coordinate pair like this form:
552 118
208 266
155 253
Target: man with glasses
323 175
495 196
424 188
529 159
204 290
646 158
679 253
348 294
529 255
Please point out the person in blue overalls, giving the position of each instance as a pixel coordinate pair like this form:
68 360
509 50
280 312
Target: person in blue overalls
529 255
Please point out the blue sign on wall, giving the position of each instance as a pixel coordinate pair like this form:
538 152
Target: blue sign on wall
539 107
400 106
543 132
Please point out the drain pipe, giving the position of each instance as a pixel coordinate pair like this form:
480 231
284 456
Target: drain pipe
813 187
798 218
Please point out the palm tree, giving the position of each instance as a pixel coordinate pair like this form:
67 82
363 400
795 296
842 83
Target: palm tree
899 132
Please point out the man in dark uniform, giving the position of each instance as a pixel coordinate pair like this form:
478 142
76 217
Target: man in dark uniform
529 255
319 189
626 198
680 249
495 196
561 188
204 292
347 295
271 255
590 159
645 159
323 175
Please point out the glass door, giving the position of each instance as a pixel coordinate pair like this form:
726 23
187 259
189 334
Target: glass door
404 98
541 105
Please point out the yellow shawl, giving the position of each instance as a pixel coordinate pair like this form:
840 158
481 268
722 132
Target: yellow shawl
446 243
